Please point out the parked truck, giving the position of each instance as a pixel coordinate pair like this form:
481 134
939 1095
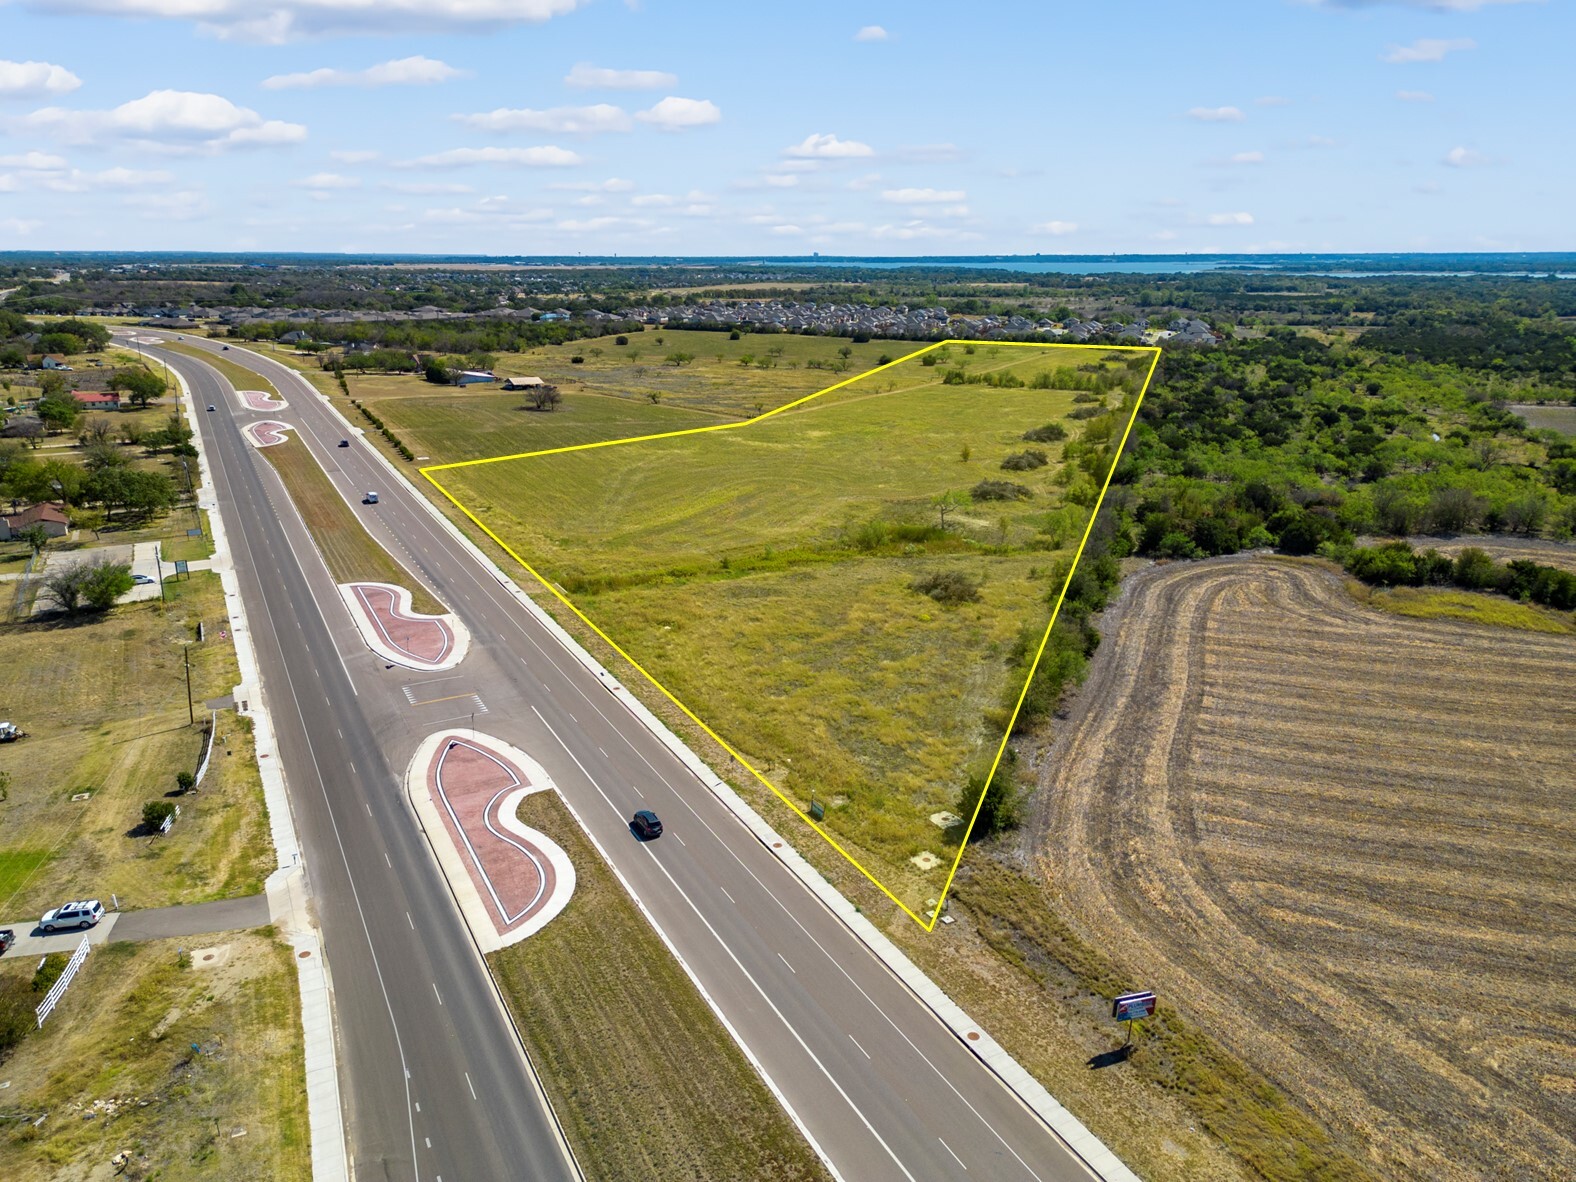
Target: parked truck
9 732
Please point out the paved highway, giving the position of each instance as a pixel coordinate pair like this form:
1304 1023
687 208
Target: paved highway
885 1090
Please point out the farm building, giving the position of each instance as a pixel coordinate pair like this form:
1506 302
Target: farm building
473 377
523 383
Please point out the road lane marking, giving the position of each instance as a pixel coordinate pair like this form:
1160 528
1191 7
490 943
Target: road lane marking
723 944
955 1157
386 858
470 1085
410 921
784 959
436 994
724 890
862 1050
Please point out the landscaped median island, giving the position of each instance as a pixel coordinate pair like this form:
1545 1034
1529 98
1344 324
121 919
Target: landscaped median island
352 554
237 375
175 1059
849 592
646 1080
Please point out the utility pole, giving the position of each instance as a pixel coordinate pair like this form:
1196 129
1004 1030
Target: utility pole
186 658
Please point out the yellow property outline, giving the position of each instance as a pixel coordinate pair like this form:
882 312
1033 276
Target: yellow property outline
935 915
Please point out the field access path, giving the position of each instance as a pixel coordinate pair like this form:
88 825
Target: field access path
1342 841
881 1086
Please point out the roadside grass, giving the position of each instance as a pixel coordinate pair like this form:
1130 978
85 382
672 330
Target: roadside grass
647 1082
1428 603
349 550
104 702
114 1069
237 375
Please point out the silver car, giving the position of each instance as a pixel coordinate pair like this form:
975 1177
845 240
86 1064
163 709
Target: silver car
82 914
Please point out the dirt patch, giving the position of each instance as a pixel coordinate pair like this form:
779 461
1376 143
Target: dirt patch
1341 842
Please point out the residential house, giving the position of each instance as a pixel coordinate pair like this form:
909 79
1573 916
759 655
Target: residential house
96 400
51 515
53 361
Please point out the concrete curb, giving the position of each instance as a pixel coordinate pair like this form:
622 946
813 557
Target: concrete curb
286 886
1094 1153
483 931
402 604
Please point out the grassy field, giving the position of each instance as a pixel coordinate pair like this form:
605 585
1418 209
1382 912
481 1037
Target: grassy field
764 575
1339 841
237 375
349 550
1550 416
683 1105
104 701
1433 603
114 1068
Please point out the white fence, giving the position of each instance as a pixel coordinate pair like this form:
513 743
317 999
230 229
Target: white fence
166 824
58 989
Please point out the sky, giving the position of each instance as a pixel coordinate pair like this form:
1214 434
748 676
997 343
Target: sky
848 127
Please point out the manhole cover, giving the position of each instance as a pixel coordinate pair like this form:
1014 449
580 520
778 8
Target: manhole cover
303 955
974 1036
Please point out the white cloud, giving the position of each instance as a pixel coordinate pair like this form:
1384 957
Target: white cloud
588 77
908 231
654 199
613 184
35 79
1229 219
426 189
1216 114
869 181
170 120
922 196
1245 158
277 21
871 33
560 120
1464 158
34 161
544 157
787 231
1427 49
675 114
21 227
184 205
406 71
498 211
1056 229
1429 5
1414 96
1272 100
781 180
354 156
929 153
828 147
323 181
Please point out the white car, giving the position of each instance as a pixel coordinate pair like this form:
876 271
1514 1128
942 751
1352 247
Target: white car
82 914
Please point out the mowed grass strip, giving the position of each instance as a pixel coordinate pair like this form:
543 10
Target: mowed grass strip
644 1078
103 698
123 1038
1428 603
352 554
237 375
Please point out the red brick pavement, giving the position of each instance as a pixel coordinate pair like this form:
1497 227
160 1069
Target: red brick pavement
421 638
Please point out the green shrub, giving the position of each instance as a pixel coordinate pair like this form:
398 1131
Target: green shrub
999 490
1025 461
1050 433
155 812
948 586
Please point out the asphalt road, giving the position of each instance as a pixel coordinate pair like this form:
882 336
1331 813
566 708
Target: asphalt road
885 1090
434 1084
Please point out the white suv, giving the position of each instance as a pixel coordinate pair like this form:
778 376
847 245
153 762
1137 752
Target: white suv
83 914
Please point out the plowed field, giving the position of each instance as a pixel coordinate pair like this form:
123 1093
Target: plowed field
1343 841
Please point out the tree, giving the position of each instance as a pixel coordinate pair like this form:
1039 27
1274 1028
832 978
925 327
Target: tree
98 429
545 398
105 583
98 454
997 800
36 537
185 781
437 373
155 813
60 342
949 502
58 414
141 386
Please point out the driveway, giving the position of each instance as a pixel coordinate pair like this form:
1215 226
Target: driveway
156 923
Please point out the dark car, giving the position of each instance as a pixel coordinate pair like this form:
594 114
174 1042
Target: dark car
226 348
646 825
344 443
211 406
7 938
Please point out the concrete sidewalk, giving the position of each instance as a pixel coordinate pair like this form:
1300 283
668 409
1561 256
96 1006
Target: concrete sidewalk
155 923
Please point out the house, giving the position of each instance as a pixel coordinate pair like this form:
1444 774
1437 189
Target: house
473 377
50 515
53 361
294 337
523 383
94 400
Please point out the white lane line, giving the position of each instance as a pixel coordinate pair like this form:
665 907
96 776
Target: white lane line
680 840
955 1157
724 890
368 807
410 921
436 994
784 959
604 753
723 944
470 1085
428 1140
862 1050
386 861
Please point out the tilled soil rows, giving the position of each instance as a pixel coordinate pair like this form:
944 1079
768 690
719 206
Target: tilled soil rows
1343 841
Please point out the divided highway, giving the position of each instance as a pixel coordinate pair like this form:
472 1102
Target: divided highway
435 1084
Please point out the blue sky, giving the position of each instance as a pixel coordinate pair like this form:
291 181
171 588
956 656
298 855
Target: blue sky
669 127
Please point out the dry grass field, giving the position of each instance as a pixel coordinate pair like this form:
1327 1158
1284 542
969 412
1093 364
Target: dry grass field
1342 842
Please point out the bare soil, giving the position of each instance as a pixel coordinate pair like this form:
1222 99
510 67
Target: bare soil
1342 842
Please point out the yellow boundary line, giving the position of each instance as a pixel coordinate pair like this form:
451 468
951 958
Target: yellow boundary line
927 925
